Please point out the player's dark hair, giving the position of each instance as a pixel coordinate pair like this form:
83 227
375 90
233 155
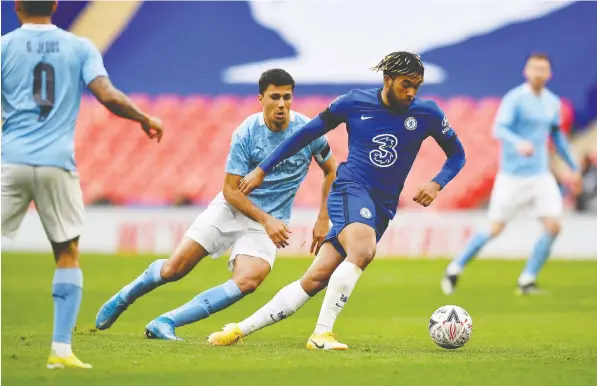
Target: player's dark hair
401 63
276 77
38 8
538 55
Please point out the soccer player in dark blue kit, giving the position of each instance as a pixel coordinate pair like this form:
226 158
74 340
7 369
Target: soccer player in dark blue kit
386 128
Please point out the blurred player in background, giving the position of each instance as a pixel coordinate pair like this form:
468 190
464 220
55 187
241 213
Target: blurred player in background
43 71
386 129
252 225
528 115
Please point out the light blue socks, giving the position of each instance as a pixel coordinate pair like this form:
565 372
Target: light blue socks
67 291
472 248
206 303
146 282
538 258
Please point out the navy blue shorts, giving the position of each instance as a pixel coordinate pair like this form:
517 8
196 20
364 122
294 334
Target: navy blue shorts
352 203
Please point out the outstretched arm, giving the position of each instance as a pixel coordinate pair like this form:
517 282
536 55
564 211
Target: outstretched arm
95 76
119 104
116 101
314 129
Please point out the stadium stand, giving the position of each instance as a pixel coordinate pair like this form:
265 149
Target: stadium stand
118 163
201 103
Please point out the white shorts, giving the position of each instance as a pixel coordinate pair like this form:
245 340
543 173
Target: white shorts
57 196
513 196
222 226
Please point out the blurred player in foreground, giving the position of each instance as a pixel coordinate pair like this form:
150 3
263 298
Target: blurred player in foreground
387 127
252 225
528 115
43 71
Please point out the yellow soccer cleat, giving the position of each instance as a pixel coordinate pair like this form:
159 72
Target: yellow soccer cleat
325 341
229 335
70 362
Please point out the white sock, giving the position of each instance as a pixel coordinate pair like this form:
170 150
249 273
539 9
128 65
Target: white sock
339 289
62 349
286 302
453 269
526 278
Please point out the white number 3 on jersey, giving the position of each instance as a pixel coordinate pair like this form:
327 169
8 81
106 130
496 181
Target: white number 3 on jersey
385 155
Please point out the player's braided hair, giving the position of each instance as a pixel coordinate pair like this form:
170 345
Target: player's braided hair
401 63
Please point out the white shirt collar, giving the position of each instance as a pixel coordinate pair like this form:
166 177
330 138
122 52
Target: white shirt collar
38 27
262 119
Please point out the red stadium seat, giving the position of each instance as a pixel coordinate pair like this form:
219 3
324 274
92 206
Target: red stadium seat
116 160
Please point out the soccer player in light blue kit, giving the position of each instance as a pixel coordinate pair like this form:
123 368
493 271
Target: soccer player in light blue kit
43 71
528 115
252 225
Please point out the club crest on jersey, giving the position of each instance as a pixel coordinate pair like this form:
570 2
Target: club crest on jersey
366 213
410 123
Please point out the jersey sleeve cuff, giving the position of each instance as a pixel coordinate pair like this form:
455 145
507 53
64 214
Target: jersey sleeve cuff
441 183
92 78
237 172
322 159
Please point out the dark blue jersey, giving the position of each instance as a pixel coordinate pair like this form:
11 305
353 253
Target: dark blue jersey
382 143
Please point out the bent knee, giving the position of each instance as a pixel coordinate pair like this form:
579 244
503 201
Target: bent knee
173 271
248 284
361 256
249 272
553 228
495 229
313 284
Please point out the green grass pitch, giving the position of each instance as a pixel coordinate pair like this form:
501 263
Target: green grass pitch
547 340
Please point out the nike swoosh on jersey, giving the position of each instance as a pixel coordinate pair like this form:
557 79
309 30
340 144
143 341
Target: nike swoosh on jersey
363 117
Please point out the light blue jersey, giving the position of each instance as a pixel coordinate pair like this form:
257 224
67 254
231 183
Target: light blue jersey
252 142
526 116
44 69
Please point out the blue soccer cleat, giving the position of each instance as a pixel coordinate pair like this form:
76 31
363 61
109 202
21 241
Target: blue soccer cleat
109 312
161 328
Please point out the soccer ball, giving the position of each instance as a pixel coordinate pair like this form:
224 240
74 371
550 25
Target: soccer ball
450 327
